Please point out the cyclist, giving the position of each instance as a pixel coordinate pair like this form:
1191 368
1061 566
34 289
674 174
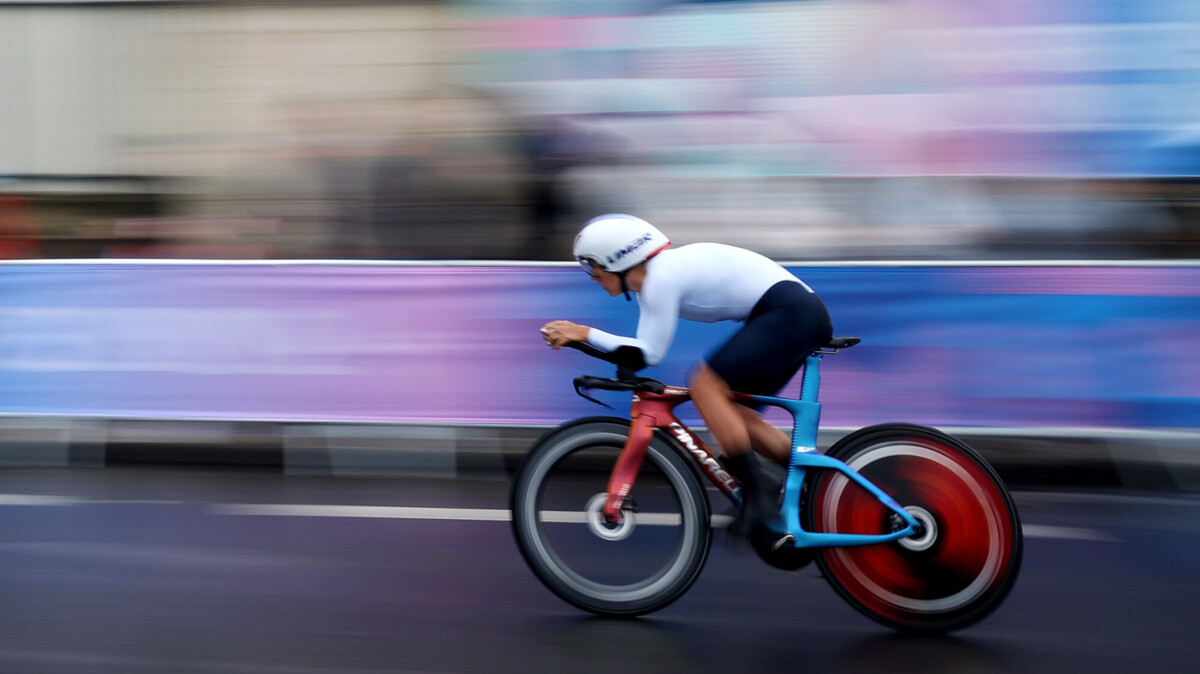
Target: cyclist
784 322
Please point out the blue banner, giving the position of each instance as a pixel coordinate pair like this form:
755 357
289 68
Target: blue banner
997 346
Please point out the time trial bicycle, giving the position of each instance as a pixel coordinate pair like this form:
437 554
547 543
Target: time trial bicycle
909 525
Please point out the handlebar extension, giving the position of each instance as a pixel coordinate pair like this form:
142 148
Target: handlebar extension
628 359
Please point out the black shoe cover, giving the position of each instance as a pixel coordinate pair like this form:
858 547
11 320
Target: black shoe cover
757 502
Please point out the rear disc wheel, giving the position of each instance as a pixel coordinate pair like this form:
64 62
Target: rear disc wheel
962 563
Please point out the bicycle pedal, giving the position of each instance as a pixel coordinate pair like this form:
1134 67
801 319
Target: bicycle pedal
780 551
785 542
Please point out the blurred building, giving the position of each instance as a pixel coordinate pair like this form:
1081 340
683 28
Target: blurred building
490 129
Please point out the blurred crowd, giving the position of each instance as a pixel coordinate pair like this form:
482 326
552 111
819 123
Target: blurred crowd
807 130
397 215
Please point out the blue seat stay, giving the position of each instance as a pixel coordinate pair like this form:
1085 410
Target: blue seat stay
806 413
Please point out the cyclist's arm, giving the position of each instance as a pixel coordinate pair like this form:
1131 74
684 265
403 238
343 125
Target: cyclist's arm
656 326
562 333
606 341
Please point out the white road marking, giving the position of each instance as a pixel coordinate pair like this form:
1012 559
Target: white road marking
555 516
1068 533
648 519
458 514
36 500
389 512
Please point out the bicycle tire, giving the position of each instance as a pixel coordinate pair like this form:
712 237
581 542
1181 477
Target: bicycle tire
632 576
949 579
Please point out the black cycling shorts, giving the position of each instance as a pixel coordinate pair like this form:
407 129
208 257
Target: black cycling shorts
786 325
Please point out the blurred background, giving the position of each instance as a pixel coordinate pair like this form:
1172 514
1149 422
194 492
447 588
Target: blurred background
954 177
316 238
489 129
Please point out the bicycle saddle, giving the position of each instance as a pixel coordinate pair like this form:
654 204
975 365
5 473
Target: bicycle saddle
836 343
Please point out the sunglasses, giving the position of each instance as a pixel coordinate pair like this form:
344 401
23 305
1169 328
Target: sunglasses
590 267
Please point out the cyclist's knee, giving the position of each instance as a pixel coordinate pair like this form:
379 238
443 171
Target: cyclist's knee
705 380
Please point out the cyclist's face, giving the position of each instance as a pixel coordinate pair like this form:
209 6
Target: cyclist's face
609 281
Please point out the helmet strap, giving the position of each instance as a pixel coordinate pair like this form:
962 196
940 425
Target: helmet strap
624 288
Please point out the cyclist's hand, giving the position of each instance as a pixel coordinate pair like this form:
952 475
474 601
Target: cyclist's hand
560 333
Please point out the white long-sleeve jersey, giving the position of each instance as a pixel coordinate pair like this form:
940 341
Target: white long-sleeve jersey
706 282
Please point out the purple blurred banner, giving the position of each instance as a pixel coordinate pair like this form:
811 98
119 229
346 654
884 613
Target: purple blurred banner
933 88
1011 346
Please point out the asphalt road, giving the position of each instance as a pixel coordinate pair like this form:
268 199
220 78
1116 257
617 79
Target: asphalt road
137 570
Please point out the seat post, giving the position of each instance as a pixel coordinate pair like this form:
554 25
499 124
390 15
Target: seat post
811 378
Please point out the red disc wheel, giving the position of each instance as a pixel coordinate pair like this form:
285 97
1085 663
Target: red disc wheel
952 574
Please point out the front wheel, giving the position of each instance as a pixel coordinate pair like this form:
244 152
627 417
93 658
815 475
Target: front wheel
640 565
958 569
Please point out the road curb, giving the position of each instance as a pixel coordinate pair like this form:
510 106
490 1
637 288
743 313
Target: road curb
1026 459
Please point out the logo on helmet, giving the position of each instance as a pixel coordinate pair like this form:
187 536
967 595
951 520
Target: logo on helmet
629 248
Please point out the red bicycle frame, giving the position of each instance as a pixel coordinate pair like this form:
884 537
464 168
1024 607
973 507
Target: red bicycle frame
657 410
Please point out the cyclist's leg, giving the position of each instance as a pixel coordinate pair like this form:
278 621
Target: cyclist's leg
768 440
735 427
785 327
714 400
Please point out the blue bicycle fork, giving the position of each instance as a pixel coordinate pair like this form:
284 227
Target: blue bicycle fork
806 413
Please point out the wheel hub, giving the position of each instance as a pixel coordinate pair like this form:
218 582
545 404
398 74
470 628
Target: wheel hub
927 532
603 529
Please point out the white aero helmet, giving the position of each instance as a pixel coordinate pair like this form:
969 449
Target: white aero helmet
617 243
